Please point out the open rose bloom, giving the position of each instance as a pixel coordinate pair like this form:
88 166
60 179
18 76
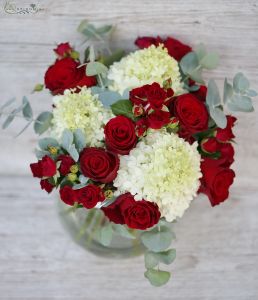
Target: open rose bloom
132 139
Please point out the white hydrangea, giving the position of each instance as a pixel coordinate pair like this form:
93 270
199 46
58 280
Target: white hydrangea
80 110
145 66
164 169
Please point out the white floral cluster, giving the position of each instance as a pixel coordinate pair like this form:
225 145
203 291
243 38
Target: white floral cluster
164 169
145 66
80 110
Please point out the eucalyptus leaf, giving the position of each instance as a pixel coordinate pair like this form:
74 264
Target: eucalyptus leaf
83 179
240 82
196 75
189 62
241 103
109 97
79 186
150 260
66 139
200 51
43 122
251 93
123 231
79 139
73 152
228 91
106 233
213 96
116 56
104 29
7 103
219 117
166 257
157 239
40 154
157 277
8 120
210 61
27 110
95 68
46 142
123 107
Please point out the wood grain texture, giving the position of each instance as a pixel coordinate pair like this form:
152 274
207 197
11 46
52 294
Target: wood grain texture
217 248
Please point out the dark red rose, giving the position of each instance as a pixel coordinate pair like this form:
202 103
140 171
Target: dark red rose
141 127
226 154
120 135
156 96
65 74
147 41
135 214
46 185
191 113
210 145
176 49
46 167
138 110
216 181
90 195
158 119
226 134
68 195
138 96
99 165
66 163
63 49
201 94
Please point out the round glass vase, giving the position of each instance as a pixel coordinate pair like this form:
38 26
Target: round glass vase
84 227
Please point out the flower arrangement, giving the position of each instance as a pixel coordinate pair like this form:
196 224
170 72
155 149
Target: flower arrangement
136 136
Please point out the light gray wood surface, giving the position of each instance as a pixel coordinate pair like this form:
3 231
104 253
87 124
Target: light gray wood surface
217 247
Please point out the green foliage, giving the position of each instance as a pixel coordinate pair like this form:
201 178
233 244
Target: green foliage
124 108
96 68
106 96
90 31
79 140
46 142
116 56
122 231
27 110
67 144
106 233
43 122
157 277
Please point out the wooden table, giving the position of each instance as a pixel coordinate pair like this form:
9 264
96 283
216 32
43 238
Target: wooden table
217 247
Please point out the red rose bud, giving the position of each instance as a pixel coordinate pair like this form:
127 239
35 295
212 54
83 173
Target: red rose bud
63 50
44 168
68 195
66 163
46 185
65 74
147 41
216 181
141 127
99 165
210 145
226 134
120 135
138 110
156 96
113 211
176 49
226 154
191 113
90 195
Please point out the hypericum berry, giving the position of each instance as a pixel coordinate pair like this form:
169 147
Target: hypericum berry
52 150
108 194
72 177
74 169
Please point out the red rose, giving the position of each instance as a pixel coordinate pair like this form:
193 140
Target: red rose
176 49
46 185
201 94
138 96
156 96
90 195
141 127
65 74
226 154
68 195
210 145
66 163
191 113
120 135
158 119
216 181
135 214
63 49
226 134
99 165
138 110
44 168
147 41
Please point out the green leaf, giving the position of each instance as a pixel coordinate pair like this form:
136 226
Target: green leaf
73 152
251 93
157 277
210 61
157 239
8 103
123 231
116 56
46 142
166 257
40 154
241 103
95 68
106 233
124 108
189 62
83 179
66 139
82 25
213 96
79 186
27 110
43 122
150 260
218 116
8 120
240 82
104 29
196 75
106 96
200 51
228 91
79 139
